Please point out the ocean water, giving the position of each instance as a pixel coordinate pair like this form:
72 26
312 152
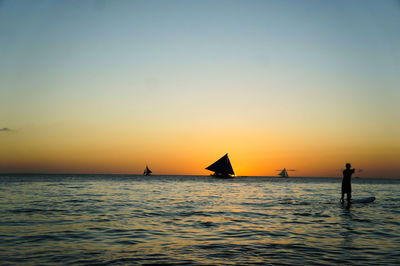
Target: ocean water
195 220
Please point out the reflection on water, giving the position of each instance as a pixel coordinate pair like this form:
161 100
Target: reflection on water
195 220
347 229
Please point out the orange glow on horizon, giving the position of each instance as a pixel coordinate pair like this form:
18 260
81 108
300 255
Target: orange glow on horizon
189 154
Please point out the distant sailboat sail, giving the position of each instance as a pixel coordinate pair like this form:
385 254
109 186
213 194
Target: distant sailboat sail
283 173
147 171
222 168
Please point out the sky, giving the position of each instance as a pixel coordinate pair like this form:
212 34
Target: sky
110 86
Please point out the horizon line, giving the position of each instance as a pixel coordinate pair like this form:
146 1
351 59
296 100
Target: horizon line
125 174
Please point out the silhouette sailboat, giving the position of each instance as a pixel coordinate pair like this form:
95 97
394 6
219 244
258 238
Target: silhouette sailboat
222 168
284 172
147 171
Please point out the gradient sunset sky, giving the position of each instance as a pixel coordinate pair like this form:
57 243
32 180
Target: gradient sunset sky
110 86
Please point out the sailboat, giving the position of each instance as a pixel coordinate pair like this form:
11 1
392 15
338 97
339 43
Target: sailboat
222 168
284 172
147 171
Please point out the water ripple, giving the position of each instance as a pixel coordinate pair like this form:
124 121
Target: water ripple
175 220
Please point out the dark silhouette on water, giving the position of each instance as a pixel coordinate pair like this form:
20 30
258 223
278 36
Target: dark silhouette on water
346 182
222 168
284 172
147 171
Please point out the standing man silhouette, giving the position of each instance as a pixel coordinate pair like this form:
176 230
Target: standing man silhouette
346 182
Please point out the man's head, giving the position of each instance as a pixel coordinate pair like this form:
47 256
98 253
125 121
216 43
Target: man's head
348 165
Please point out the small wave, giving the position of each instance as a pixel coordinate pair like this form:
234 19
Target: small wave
195 221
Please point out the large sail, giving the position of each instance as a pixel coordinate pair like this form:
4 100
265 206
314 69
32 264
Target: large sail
222 166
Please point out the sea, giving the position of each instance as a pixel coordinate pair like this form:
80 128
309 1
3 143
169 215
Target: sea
196 220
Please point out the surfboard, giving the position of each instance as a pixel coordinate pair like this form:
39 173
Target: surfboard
363 200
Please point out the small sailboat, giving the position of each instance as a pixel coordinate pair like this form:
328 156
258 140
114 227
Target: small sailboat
222 168
147 171
284 172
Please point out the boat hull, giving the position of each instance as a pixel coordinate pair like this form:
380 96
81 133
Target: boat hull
223 176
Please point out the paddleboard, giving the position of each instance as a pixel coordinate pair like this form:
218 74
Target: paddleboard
363 200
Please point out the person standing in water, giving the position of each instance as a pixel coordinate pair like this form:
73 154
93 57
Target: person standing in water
346 182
